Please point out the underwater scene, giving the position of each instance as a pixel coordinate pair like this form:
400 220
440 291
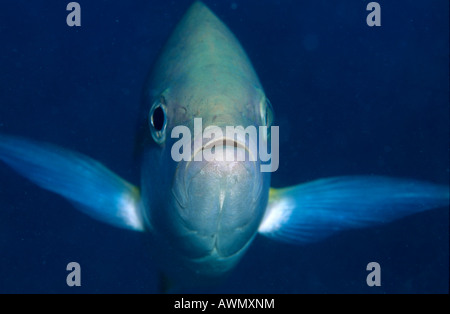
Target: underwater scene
359 91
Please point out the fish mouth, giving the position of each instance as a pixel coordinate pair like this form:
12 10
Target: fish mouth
219 155
186 170
223 143
216 199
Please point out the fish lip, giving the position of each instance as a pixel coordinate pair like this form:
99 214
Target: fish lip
226 141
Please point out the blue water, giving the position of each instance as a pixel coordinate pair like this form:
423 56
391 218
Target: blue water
349 99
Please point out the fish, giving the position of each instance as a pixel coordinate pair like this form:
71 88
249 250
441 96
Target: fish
201 216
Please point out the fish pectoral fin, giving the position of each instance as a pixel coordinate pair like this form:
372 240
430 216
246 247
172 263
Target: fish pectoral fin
92 188
313 211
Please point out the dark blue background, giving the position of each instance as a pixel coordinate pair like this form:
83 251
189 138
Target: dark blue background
349 99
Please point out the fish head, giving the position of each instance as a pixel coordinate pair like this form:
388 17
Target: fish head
202 199
207 206
217 189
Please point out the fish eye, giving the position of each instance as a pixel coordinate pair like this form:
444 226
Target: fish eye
267 117
158 119
266 110
158 122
